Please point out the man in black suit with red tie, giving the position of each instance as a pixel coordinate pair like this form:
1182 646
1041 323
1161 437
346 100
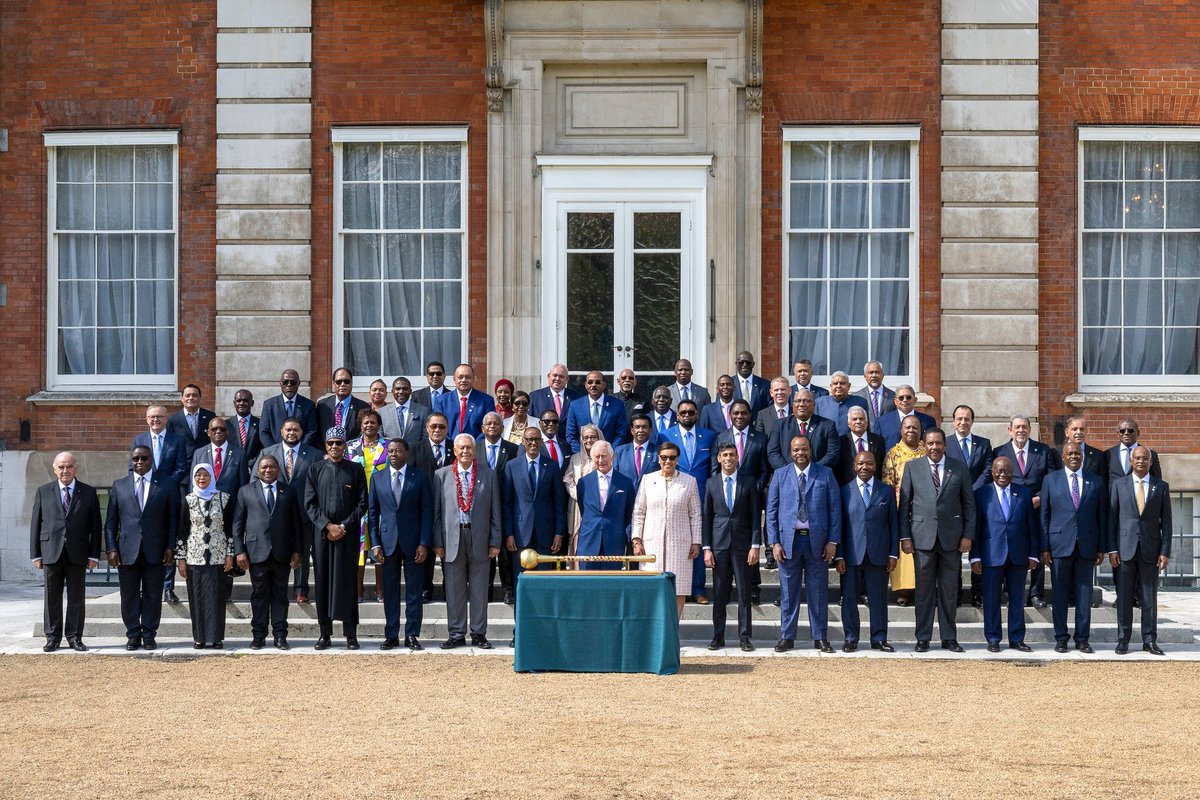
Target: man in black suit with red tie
64 542
729 535
243 425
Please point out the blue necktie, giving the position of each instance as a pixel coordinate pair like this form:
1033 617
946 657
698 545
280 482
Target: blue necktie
533 476
802 508
1005 507
492 456
866 490
729 492
689 446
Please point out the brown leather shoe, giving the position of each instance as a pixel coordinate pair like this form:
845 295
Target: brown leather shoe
702 600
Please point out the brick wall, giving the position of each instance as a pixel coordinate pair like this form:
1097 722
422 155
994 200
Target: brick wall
119 64
411 63
1116 62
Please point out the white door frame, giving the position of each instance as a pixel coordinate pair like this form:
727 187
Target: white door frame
636 180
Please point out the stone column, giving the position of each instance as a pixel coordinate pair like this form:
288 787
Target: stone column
989 210
264 192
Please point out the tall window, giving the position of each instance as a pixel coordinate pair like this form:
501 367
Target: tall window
1139 255
401 249
112 259
850 211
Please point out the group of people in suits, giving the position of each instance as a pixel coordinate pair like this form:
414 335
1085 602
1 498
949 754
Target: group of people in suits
700 481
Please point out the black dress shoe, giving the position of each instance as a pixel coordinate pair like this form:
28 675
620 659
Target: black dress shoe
716 644
1153 648
1122 648
755 599
993 647
480 641
171 597
509 598
217 646
783 645
775 602
197 645
281 643
1021 646
453 642
1039 603
902 602
849 647
977 602
771 563
746 645
133 644
1084 647
922 646
322 643
78 646
351 643
952 645
258 642
390 644
412 644
148 643
1060 647
823 645
882 647
1137 602
427 596
50 646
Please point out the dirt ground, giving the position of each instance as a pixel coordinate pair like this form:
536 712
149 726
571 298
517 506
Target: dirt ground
301 726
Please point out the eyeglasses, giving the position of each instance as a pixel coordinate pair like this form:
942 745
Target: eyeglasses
536 441
433 426
289 382
668 458
521 403
549 421
343 381
335 444
435 374
1127 430
744 361
139 458
215 429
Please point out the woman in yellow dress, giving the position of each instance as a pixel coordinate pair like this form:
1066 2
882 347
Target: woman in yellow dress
910 446
370 450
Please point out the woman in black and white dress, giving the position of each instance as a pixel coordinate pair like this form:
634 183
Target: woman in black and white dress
204 553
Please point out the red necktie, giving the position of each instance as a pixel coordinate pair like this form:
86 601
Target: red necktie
242 430
553 451
462 411
216 463
804 429
558 404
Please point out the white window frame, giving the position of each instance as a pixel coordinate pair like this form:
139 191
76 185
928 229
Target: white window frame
52 141
384 135
1136 384
857 133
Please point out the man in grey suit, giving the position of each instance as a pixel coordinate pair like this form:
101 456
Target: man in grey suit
295 456
466 536
404 419
684 389
1139 546
64 542
880 399
267 540
937 518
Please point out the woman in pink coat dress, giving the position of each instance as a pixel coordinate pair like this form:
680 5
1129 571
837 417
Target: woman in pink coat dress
666 520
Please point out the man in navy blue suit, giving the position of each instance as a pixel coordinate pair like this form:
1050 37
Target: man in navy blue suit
870 540
695 458
839 401
400 518
555 395
597 408
715 415
190 423
243 425
729 536
634 459
888 426
167 449
340 409
230 468
1074 512
751 446
466 406
662 416
1007 536
1032 461
802 371
295 456
821 433
747 386
535 502
804 529
288 403
880 399
605 513
974 452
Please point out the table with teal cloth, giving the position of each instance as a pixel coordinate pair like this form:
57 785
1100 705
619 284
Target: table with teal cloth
596 623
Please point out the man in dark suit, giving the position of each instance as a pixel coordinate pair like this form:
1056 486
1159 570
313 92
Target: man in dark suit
295 456
405 418
870 547
858 440
556 443
1119 457
684 389
662 416
1073 508
729 536
837 404
715 415
1095 460
888 426
267 540
636 458
820 432
243 425
465 406
974 452
64 542
804 529
802 372
190 423
627 392
288 403
496 452
230 468
1032 461
1007 536
880 399
435 376
1139 546
340 409
604 525
429 455
535 503
777 410
597 408
747 386
168 450
937 520
695 458
140 531
555 396
751 447
400 512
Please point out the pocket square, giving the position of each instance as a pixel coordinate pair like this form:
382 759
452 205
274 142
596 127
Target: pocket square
619 491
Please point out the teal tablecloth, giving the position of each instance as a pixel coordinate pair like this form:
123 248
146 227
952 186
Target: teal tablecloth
601 623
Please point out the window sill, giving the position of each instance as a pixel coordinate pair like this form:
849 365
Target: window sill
1159 398
103 398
